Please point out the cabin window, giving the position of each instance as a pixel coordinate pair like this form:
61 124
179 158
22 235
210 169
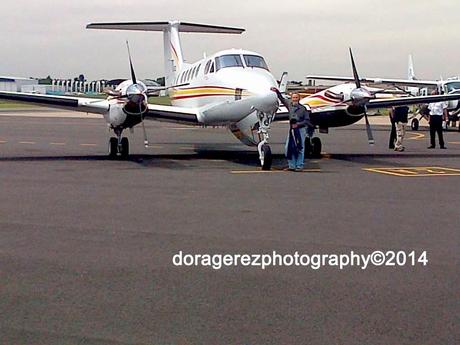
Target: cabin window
232 60
211 70
255 61
197 70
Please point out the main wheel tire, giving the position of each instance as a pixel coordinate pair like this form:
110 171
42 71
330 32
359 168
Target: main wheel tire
113 147
414 124
268 159
316 147
308 147
124 148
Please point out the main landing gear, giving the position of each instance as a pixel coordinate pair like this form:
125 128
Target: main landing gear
119 146
313 147
265 152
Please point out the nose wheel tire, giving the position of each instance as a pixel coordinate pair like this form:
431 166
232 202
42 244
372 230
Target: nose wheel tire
124 148
267 162
113 148
121 150
316 147
414 124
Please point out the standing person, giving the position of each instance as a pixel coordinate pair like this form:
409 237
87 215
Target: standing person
400 120
299 119
391 144
438 113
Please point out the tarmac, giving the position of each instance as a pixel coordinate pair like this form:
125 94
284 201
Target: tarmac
87 243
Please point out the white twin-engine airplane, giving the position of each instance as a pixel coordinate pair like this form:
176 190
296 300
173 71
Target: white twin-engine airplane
233 88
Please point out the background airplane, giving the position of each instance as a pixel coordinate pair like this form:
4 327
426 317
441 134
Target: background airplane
345 104
411 85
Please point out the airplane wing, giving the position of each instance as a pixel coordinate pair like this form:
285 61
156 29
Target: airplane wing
173 114
402 82
86 105
390 102
283 114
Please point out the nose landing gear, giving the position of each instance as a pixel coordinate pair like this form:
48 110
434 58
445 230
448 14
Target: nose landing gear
118 146
265 152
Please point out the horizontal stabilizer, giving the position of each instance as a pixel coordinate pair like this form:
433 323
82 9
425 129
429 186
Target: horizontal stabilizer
161 26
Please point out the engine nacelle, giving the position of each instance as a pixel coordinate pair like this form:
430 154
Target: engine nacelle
356 110
116 116
125 115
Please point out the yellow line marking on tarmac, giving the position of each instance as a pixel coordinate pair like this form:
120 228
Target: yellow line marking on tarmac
185 128
415 171
417 136
27 142
57 143
454 142
270 171
88 144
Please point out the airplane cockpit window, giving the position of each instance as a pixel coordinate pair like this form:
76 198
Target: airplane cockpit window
255 61
453 86
208 65
232 60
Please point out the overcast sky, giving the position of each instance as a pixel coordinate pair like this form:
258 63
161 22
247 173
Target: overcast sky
41 37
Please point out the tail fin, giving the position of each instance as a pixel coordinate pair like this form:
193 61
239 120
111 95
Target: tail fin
410 69
174 58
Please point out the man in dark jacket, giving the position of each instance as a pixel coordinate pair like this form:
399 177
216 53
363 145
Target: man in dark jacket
299 119
400 120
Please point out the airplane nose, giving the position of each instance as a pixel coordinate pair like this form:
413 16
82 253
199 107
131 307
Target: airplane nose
266 102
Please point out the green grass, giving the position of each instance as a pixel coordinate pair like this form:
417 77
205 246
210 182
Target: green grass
14 105
164 100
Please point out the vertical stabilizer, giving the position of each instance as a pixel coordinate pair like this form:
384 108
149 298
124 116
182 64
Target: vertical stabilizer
410 69
174 60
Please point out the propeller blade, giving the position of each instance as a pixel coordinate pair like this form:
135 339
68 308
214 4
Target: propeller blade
156 90
146 140
281 98
355 71
108 91
370 137
133 75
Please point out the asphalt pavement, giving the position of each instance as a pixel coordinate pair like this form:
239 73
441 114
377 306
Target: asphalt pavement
87 243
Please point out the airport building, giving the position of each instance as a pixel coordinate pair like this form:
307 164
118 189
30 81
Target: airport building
17 84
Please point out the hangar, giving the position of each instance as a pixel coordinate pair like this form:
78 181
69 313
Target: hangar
15 84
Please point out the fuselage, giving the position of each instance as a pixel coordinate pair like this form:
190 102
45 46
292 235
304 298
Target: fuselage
225 76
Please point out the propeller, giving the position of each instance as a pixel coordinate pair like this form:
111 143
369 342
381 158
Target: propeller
359 97
281 97
133 75
154 91
136 93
